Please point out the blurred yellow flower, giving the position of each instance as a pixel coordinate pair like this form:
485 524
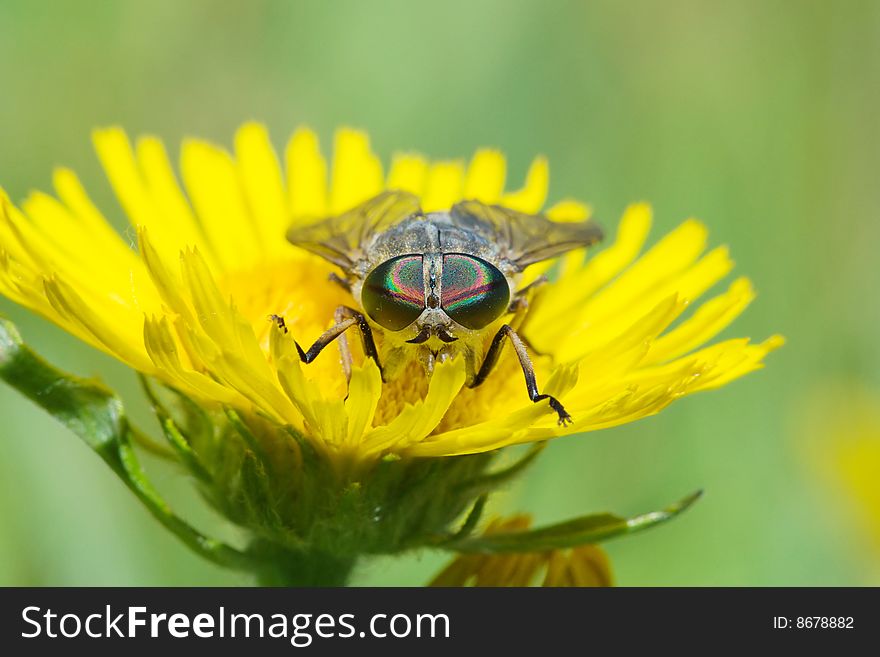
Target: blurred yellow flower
586 565
843 428
858 461
189 305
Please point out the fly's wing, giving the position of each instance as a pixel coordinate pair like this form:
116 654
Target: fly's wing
342 239
523 239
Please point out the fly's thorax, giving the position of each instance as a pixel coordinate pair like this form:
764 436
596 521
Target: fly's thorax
434 233
414 235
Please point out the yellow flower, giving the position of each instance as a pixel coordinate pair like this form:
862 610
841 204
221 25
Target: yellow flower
586 565
858 464
189 303
842 431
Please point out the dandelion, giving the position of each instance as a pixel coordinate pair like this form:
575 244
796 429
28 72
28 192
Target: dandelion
321 467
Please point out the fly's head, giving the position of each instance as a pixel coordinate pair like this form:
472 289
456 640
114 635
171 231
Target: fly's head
436 283
437 301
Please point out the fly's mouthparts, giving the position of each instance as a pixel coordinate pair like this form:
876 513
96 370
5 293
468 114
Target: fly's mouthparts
444 336
423 336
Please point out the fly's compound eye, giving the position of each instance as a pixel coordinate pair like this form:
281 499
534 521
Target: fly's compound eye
474 293
394 292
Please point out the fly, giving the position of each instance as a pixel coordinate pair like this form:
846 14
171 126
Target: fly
434 284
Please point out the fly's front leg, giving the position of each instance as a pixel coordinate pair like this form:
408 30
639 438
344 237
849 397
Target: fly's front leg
344 349
341 282
345 318
529 289
326 337
519 306
345 314
528 370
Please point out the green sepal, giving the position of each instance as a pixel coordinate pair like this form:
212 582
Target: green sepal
175 437
488 482
96 415
572 533
473 517
250 440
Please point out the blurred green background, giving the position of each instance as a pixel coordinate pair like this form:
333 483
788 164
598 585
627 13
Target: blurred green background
760 117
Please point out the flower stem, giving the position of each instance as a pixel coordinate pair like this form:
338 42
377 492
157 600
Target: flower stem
301 568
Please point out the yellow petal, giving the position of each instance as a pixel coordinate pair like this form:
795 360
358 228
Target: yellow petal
485 176
213 186
93 224
497 432
606 339
408 173
63 244
531 197
108 323
417 420
219 319
163 351
173 222
357 172
263 188
167 281
115 153
560 306
288 368
569 210
364 391
709 320
734 365
306 176
152 199
444 186
583 566
674 253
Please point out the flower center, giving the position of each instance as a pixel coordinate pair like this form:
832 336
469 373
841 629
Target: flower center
302 292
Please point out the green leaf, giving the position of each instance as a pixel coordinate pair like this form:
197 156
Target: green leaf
96 415
572 533
87 408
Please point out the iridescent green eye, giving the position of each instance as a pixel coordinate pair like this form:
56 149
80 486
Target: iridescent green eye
394 292
474 293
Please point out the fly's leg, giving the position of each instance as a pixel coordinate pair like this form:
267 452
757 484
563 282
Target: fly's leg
520 303
345 314
341 282
519 306
525 362
345 318
279 320
531 287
